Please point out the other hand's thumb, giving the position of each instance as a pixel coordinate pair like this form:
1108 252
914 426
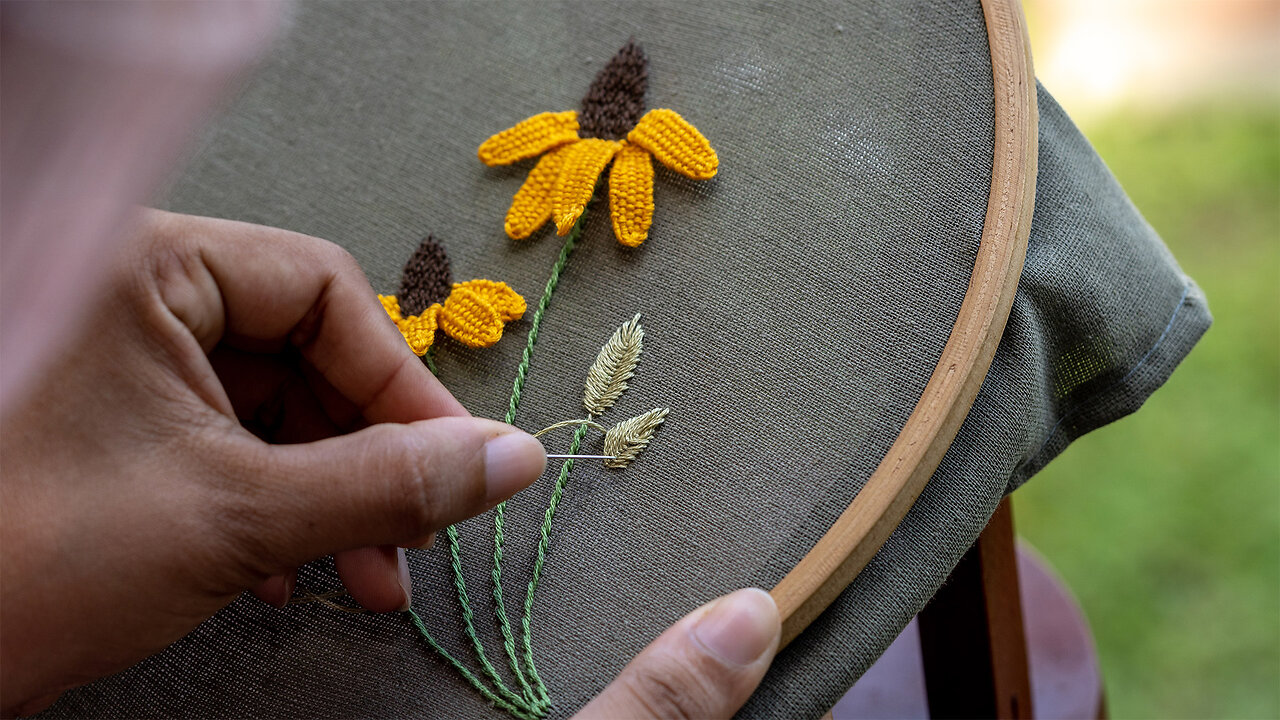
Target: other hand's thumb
705 666
389 484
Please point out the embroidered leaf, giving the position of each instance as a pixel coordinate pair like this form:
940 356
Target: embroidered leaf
631 195
613 367
676 144
628 438
426 278
615 101
530 138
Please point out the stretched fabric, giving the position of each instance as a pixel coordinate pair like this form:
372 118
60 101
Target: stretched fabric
794 307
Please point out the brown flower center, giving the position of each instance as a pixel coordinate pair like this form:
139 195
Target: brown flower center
615 101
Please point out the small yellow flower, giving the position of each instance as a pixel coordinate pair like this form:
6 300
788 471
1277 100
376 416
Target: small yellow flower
473 312
577 147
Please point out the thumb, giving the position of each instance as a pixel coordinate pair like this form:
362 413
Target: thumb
705 666
388 484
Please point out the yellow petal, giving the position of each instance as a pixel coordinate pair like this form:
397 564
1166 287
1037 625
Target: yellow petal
470 319
676 144
420 330
530 138
506 302
532 204
391 304
631 195
583 163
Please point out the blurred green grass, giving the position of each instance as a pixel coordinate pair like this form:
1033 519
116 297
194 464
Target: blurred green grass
1166 524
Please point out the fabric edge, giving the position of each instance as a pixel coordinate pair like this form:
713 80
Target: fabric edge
1187 323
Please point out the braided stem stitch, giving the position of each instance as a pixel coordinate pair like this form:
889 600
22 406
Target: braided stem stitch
535 699
499 518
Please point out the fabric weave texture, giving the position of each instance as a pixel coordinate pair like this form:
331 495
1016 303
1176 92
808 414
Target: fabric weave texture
794 306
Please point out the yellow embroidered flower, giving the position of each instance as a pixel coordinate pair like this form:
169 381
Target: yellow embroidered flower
473 312
577 147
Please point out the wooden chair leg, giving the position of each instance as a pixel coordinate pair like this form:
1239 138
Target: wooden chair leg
972 637
972 653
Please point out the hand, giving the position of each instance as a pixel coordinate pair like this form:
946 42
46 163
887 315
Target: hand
136 501
705 666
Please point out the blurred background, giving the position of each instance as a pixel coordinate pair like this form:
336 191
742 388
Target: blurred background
1166 525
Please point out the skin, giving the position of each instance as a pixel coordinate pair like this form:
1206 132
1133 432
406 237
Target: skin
192 408
240 406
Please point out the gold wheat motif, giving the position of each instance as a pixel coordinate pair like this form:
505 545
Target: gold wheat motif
628 438
613 367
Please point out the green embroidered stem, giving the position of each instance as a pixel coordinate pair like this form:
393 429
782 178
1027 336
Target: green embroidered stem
534 701
467 674
543 543
430 357
468 619
536 695
522 370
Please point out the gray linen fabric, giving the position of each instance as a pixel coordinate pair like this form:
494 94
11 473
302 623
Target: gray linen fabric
795 306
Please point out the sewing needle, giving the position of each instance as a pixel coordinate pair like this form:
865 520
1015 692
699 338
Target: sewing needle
560 456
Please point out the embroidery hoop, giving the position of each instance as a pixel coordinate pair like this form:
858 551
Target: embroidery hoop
855 537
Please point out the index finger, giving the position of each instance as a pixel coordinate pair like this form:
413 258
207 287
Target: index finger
267 288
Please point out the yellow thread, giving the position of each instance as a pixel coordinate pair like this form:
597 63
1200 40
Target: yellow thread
418 330
391 304
631 195
583 163
325 599
470 319
473 314
506 302
569 423
560 185
531 207
676 144
530 138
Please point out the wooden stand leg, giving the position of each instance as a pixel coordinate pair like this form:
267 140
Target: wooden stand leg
971 634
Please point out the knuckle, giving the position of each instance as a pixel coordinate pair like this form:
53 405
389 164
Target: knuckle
239 531
336 257
670 691
417 495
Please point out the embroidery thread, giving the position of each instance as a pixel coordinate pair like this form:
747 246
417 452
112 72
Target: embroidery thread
575 149
579 146
473 312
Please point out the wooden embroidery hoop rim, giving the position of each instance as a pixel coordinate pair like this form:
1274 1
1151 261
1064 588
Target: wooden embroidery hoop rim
855 537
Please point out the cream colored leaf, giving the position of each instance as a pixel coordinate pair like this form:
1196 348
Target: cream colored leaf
625 440
613 367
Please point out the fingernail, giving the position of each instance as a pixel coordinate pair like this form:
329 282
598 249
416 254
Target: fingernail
740 627
511 463
290 584
406 582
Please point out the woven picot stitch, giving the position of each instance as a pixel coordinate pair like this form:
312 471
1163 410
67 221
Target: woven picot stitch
612 128
473 312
